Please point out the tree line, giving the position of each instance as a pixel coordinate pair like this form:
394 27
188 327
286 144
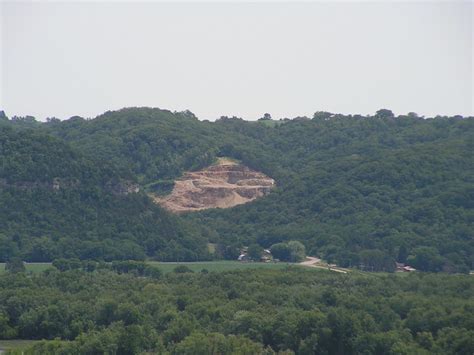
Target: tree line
85 308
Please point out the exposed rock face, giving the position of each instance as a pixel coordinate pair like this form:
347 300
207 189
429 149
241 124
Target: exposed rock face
54 184
123 188
224 185
118 188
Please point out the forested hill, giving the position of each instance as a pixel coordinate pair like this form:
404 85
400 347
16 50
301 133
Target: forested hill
358 191
57 202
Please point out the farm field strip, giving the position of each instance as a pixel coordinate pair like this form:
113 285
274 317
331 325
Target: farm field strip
220 265
197 266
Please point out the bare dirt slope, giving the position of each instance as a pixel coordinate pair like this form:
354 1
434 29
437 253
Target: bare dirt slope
223 185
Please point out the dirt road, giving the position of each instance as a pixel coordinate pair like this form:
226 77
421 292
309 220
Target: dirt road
311 261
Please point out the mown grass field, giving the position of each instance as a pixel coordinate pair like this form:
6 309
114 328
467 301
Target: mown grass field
15 344
224 265
220 265
33 267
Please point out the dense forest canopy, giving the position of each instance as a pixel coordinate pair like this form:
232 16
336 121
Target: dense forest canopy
57 202
99 310
360 191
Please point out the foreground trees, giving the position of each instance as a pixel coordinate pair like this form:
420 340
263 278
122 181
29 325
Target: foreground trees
15 265
292 251
249 312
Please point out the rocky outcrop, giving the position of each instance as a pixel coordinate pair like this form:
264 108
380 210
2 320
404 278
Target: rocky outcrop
224 185
54 184
123 188
118 188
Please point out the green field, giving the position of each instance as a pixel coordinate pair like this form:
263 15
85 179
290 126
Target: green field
219 265
15 344
33 267
195 266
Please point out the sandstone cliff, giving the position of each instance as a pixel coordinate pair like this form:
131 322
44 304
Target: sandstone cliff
224 185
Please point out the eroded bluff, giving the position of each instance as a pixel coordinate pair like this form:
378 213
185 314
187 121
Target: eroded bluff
224 185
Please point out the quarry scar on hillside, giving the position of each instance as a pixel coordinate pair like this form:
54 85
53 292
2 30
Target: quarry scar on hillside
223 185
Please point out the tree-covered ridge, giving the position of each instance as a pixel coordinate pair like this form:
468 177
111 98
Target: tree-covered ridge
152 143
357 191
361 191
249 312
57 202
32 157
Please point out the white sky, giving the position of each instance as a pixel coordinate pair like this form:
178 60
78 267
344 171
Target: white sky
243 59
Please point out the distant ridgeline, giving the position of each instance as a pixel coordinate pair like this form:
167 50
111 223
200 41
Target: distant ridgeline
358 191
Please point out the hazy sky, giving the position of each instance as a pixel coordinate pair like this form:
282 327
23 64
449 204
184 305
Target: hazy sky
243 59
